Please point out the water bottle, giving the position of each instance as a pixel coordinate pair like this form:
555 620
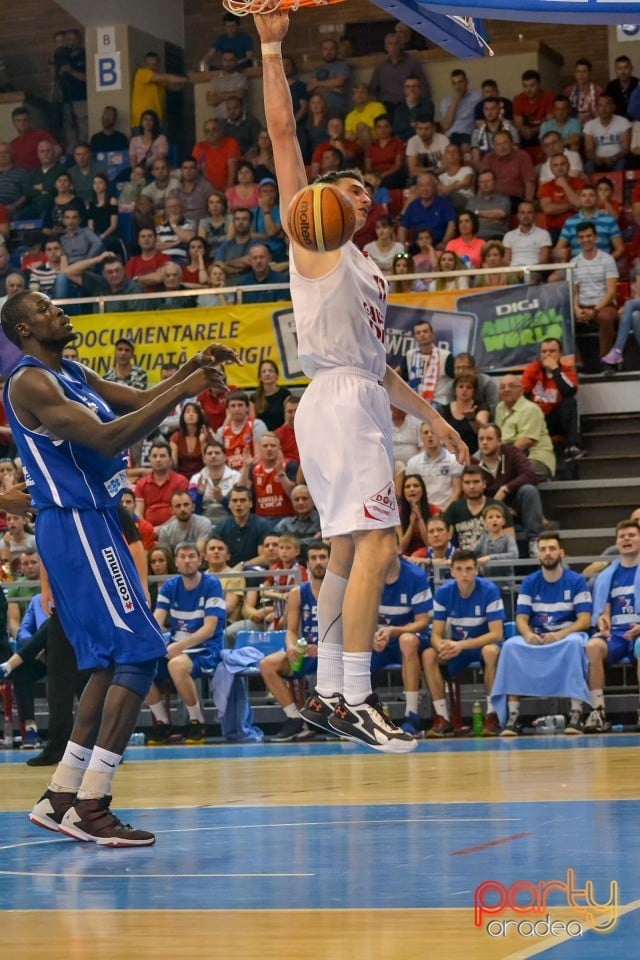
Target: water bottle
550 724
477 719
136 739
301 647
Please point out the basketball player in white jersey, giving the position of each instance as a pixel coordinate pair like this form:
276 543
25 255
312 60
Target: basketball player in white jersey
343 428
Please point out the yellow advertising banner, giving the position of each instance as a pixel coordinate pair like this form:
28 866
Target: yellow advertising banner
257 331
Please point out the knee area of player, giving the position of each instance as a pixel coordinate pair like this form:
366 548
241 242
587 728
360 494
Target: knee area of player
136 677
636 648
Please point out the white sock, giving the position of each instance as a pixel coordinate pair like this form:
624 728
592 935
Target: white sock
411 696
490 706
330 600
159 711
292 711
576 704
99 775
514 708
330 670
357 677
597 699
440 707
195 712
70 771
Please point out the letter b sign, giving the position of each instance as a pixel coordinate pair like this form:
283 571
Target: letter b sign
108 73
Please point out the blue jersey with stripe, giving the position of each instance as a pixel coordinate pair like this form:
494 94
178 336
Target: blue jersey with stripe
622 600
468 616
188 608
553 606
308 613
62 473
408 596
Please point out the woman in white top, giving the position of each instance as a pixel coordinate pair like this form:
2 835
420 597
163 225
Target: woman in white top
151 144
385 247
456 181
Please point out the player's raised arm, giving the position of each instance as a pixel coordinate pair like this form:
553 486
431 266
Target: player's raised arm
281 123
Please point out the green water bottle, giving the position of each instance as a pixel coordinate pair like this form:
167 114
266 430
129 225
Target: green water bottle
301 647
477 719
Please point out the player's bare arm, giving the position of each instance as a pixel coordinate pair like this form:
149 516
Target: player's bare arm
123 398
39 401
281 126
401 395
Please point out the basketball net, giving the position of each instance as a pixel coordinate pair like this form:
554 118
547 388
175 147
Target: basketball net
242 8
469 24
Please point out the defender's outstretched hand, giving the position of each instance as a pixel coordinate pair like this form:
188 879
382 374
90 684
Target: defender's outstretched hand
220 353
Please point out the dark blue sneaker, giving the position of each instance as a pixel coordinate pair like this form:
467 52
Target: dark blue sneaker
412 724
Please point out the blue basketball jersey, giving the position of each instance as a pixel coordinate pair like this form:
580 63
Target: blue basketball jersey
62 473
308 613
408 596
553 606
188 608
468 616
622 599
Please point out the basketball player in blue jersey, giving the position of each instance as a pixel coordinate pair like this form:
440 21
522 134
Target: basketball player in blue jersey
468 618
302 621
406 606
616 614
554 608
192 606
70 440
343 428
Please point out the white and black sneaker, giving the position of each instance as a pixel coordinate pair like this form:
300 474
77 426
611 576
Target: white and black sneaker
513 727
596 722
318 709
51 808
367 723
575 726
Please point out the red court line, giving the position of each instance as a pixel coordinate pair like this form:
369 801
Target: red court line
491 843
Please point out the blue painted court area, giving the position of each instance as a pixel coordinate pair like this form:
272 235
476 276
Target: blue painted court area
429 855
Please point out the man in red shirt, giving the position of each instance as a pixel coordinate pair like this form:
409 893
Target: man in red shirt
217 155
552 384
24 147
272 478
146 266
153 492
560 197
513 169
386 155
531 108
286 433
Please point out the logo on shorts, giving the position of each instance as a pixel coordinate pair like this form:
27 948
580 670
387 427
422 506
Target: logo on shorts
118 579
382 505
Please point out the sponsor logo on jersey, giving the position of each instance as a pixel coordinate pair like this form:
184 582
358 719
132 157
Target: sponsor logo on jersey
118 578
116 483
382 505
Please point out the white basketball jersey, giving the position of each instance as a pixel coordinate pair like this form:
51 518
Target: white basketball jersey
340 316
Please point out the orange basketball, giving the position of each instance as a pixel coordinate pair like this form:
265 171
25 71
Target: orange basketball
321 218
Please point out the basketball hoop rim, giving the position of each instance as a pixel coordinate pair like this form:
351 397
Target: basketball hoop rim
243 8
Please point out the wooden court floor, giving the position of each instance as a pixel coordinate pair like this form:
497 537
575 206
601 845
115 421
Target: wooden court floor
331 851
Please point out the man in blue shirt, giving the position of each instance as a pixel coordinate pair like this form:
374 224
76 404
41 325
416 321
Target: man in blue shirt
428 212
554 608
616 614
609 237
261 273
193 608
404 614
468 618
